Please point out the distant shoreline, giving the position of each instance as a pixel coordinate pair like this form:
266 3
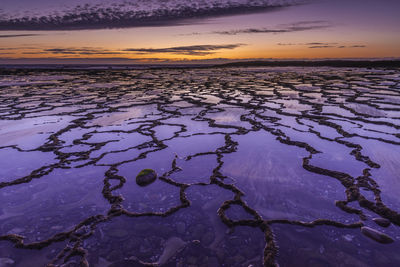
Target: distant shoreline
289 63
319 63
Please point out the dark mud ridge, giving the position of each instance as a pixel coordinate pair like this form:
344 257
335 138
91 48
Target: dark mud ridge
247 166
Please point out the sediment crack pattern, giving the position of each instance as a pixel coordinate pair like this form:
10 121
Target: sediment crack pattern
239 132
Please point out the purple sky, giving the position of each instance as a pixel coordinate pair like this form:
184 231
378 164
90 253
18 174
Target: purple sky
188 30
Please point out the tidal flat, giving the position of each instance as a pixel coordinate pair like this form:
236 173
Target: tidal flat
249 166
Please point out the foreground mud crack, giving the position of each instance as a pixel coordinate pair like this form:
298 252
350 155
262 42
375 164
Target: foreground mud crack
253 164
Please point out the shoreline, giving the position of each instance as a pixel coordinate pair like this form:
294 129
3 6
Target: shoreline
291 63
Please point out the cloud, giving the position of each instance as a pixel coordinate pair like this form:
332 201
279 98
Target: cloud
192 50
317 45
70 51
249 30
331 45
310 44
322 46
352 46
286 44
17 35
80 60
282 28
122 13
307 25
80 51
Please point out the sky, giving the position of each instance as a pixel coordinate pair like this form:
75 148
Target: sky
202 31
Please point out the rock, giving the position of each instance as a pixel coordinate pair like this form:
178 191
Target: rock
4 262
382 222
146 177
376 235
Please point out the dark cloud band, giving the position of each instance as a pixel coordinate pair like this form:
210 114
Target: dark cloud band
139 13
193 50
318 45
284 28
16 35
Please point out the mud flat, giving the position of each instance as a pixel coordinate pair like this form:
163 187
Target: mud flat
247 166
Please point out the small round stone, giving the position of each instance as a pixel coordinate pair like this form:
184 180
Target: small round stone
382 222
146 177
376 235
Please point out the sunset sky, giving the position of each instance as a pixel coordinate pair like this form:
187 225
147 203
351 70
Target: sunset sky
159 31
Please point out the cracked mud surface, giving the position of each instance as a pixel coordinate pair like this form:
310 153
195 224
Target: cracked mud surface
256 166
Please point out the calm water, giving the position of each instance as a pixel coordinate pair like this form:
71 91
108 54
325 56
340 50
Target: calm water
256 166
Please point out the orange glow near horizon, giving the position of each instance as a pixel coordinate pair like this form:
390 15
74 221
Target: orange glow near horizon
245 52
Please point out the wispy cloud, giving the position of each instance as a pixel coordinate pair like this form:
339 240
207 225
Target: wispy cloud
319 45
72 51
77 60
80 51
339 46
17 35
309 44
279 29
322 46
286 44
121 13
192 50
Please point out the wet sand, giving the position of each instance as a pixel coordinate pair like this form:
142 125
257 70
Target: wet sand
257 166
